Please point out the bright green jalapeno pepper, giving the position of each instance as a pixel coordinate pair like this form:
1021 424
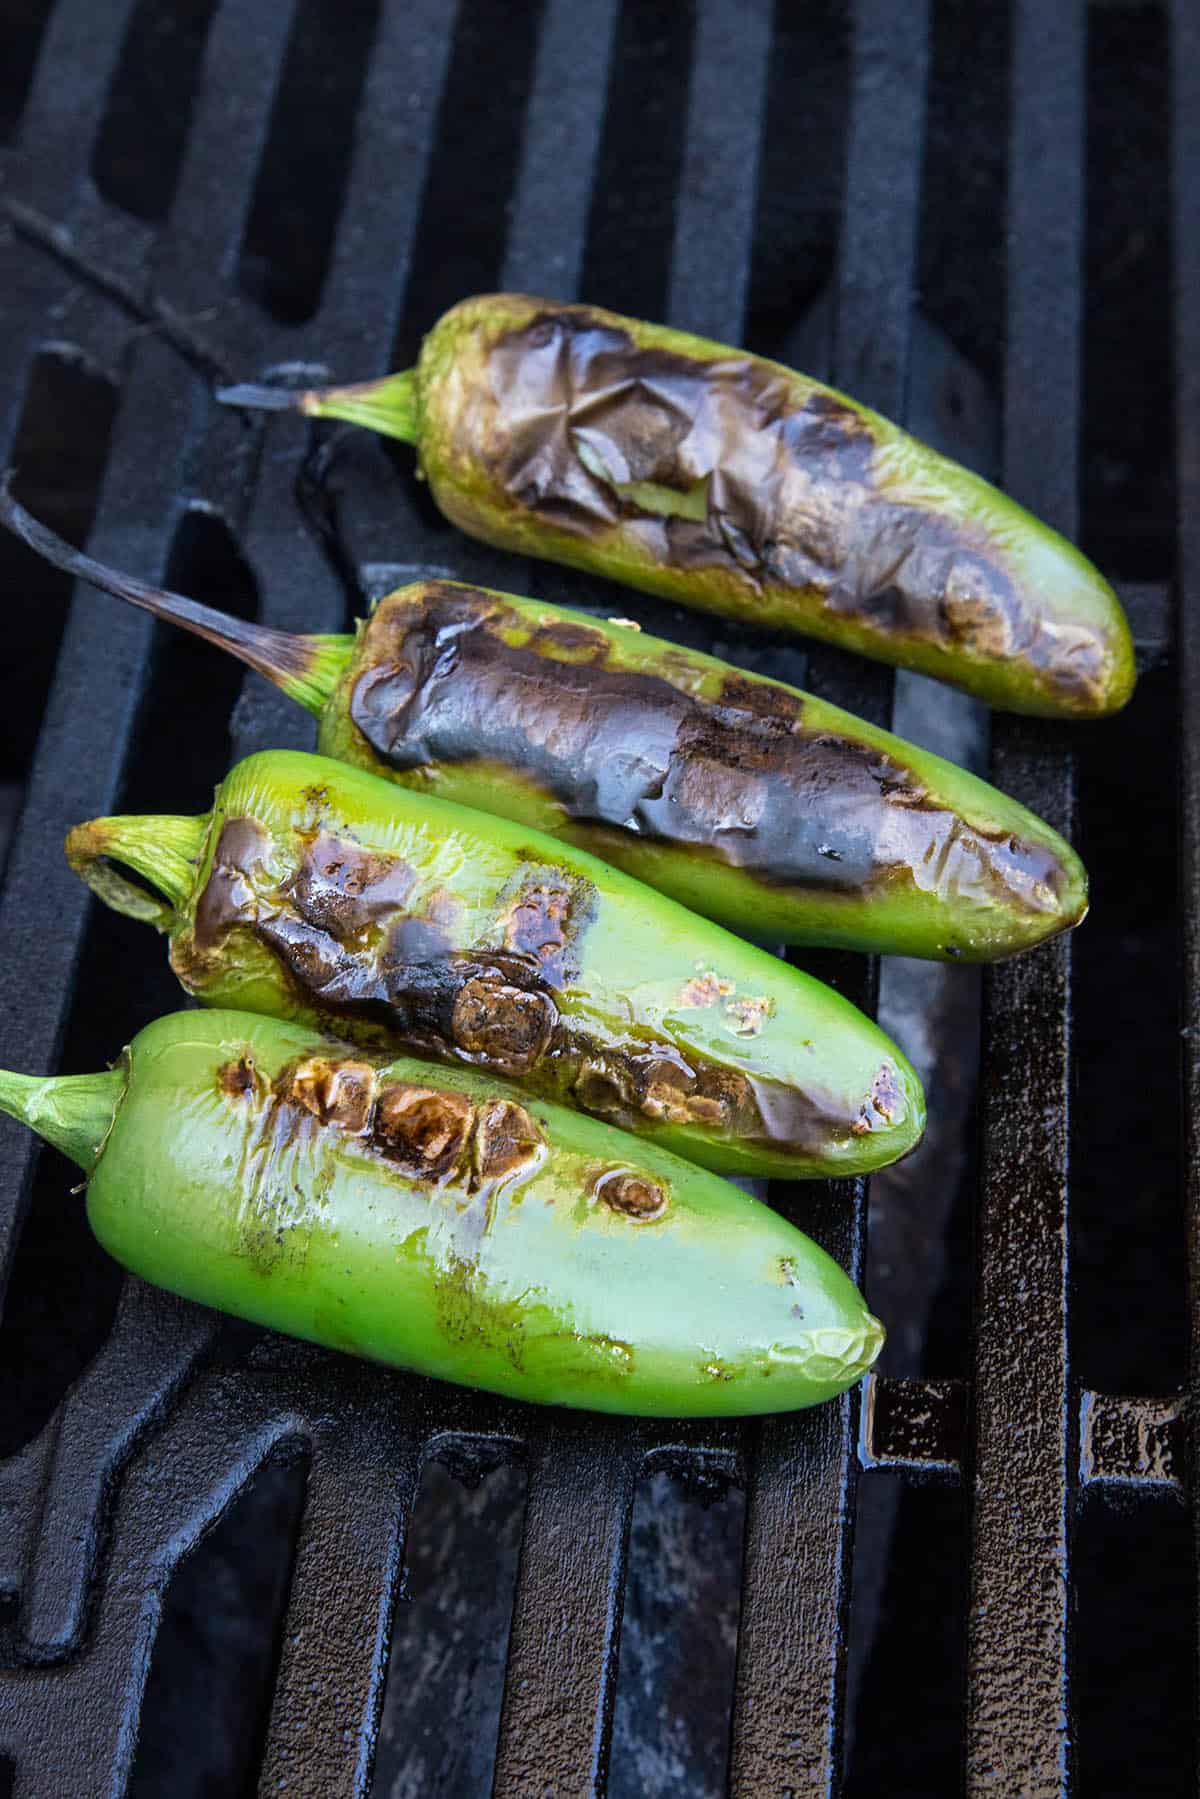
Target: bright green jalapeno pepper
732 484
440 1221
745 799
318 892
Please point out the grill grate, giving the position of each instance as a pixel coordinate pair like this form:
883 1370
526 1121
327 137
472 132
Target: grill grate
175 1412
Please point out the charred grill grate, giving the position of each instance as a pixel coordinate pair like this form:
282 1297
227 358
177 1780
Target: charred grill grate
125 289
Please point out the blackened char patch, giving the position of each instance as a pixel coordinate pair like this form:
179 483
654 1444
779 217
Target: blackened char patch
237 1079
632 1195
343 888
738 778
228 895
494 1008
545 917
715 465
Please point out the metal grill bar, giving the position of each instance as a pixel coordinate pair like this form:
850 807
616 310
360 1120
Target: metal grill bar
361 1486
562 1658
562 140
77 1725
801 1490
84 36
1131 1442
714 210
1185 96
1025 1453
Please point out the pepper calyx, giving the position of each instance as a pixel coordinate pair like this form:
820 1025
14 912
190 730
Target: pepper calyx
164 850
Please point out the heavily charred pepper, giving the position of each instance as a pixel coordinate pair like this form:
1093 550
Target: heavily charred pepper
743 798
320 893
440 1221
732 484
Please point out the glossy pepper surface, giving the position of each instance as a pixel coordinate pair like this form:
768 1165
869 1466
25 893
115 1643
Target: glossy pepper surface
745 799
440 1221
320 893
733 484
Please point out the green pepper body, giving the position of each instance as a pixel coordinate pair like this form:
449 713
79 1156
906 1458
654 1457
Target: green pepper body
321 893
437 1220
745 799
730 483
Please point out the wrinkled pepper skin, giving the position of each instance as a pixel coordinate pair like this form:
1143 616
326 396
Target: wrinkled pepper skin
320 893
439 1221
725 482
745 799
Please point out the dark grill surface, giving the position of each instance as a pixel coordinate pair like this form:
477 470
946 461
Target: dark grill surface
227 188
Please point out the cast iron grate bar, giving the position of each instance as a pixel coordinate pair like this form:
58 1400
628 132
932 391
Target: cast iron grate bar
714 208
801 1494
1185 112
1018 1736
560 1675
548 230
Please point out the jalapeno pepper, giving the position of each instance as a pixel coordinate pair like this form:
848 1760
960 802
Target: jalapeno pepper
440 1221
320 893
732 484
743 798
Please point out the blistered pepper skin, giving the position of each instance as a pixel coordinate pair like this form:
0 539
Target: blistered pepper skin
730 483
442 1222
320 893
745 799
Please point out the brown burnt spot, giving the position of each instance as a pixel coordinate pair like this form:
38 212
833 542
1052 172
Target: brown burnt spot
505 1026
427 935
341 888
506 1141
422 1130
545 921
885 1102
564 640
725 465
602 1087
748 1014
774 709
338 1092
633 1196
677 1094
627 1088
228 895
737 779
705 989
238 1079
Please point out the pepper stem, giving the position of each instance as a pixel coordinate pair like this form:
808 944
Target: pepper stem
389 406
307 668
164 850
75 1112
